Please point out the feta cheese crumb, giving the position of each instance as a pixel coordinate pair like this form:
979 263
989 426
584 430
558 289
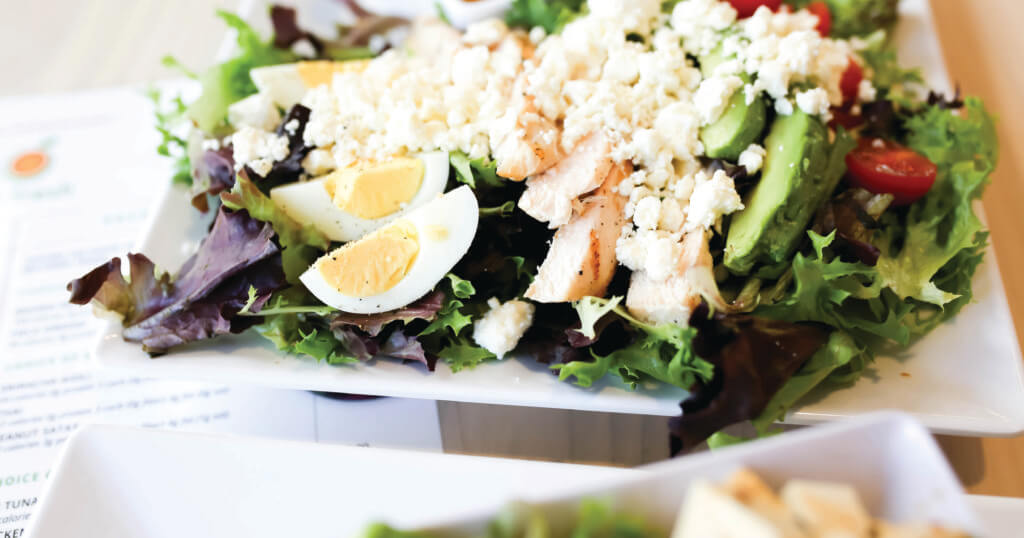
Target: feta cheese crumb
783 106
671 218
647 213
487 32
712 197
752 158
500 329
210 144
866 91
654 252
257 149
713 95
291 126
318 162
814 102
303 48
262 167
257 111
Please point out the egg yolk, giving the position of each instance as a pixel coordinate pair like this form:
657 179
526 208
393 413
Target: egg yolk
373 264
321 72
375 190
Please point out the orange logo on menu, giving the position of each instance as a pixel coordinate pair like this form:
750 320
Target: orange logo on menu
29 163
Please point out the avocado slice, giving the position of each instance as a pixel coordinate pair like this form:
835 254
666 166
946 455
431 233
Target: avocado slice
800 171
738 127
740 124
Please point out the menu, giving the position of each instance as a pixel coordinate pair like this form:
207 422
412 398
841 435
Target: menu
79 176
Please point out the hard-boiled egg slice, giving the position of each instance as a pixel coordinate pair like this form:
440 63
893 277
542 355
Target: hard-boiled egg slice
400 262
286 84
350 203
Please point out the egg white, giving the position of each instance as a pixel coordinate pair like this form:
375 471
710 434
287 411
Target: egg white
309 203
456 213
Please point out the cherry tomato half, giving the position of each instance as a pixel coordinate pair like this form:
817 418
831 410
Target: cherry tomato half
850 83
883 166
824 17
746 8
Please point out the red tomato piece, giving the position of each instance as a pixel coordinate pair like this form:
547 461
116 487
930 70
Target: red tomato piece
884 166
850 83
746 8
824 17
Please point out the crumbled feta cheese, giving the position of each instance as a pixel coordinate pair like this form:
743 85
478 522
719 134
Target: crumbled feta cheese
634 15
784 106
262 167
699 23
752 158
784 48
537 34
646 213
814 102
210 144
652 251
257 110
303 48
487 32
377 43
866 91
683 188
712 197
291 126
257 149
713 95
318 162
671 217
500 329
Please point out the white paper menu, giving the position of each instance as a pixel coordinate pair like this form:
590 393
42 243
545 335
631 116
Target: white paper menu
79 175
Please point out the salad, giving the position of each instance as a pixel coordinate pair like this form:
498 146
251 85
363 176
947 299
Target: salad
742 506
746 199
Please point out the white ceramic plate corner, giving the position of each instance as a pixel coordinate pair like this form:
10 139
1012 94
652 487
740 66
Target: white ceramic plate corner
965 378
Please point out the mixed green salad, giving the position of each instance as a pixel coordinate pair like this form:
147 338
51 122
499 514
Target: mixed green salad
745 199
741 506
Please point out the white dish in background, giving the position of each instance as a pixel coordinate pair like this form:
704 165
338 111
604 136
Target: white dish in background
148 484
965 378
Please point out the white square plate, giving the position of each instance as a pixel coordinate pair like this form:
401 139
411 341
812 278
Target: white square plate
125 482
965 378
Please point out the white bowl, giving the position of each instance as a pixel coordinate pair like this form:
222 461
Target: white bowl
146 484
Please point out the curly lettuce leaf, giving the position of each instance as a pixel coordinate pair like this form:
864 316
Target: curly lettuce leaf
326 334
468 171
169 114
229 82
662 352
860 17
461 354
551 15
301 244
942 225
845 295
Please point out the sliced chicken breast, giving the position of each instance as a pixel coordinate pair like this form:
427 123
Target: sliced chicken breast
530 144
581 260
550 196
